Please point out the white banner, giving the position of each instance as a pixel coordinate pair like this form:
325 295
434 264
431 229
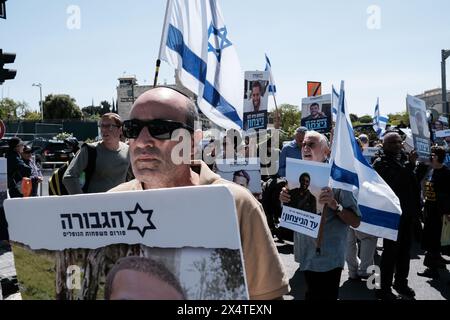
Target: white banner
443 133
164 218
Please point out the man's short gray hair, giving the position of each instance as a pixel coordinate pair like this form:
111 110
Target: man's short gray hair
322 139
301 130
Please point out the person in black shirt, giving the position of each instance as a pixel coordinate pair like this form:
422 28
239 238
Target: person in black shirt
437 207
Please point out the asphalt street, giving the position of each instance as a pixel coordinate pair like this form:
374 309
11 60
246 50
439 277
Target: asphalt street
425 288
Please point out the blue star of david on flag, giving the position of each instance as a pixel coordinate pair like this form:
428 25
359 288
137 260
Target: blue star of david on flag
220 39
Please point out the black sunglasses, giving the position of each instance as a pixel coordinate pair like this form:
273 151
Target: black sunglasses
159 129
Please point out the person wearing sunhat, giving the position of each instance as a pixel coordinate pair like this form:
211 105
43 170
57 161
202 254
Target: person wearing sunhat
17 168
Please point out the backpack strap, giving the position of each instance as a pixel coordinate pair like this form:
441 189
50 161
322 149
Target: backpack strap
90 168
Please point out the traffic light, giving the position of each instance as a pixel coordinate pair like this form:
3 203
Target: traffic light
6 74
2 9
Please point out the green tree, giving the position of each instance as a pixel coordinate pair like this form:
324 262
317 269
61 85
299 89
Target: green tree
32 115
91 111
105 107
353 117
290 118
12 110
61 106
396 118
366 119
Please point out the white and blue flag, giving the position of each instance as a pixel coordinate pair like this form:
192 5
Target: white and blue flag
378 204
196 43
334 102
379 121
272 86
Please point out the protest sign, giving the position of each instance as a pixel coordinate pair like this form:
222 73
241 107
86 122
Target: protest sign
419 127
187 234
316 113
369 153
443 133
256 99
306 179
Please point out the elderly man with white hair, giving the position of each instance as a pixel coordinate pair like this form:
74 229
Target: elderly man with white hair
323 259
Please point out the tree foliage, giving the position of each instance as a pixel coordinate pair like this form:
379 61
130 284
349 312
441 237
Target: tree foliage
290 118
13 110
366 119
396 118
61 106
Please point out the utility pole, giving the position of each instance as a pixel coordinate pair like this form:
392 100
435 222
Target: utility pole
445 107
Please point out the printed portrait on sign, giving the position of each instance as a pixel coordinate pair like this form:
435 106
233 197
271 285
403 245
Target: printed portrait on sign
316 113
129 245
256 99
419 127
306 180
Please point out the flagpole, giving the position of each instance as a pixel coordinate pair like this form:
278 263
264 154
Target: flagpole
277 114
163 36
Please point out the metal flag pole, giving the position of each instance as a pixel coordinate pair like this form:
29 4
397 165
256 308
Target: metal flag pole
163 36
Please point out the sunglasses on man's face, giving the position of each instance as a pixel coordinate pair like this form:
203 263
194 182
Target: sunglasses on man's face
159 129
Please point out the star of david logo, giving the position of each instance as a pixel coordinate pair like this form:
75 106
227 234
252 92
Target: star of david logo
140 220
219 40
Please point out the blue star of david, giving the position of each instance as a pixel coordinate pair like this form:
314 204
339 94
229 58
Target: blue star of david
219 39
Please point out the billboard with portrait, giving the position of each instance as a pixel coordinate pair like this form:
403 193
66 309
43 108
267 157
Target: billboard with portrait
419 127
256 99
316 113
306 179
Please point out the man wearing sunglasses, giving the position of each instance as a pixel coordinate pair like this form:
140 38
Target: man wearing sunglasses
154 117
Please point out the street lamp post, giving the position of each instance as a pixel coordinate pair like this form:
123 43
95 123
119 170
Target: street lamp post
445 55
41 107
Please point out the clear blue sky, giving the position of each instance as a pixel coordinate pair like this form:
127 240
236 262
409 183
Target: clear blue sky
305 40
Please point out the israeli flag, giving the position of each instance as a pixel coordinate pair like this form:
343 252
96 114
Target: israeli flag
196 43
272 86
379 122
379 206
334 102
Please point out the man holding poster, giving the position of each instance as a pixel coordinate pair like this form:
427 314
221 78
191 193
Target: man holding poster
323 259
154 118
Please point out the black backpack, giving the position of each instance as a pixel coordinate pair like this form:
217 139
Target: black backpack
55 184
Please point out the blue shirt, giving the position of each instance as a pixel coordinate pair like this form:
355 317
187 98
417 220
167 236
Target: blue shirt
291 150
334 239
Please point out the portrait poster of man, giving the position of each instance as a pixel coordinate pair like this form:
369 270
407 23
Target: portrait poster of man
419 127
256 99
245 172
305 182
140 245
316 113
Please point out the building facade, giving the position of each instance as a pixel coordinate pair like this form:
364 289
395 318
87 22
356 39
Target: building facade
433 99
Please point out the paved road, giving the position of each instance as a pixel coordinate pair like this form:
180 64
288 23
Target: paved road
426 289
